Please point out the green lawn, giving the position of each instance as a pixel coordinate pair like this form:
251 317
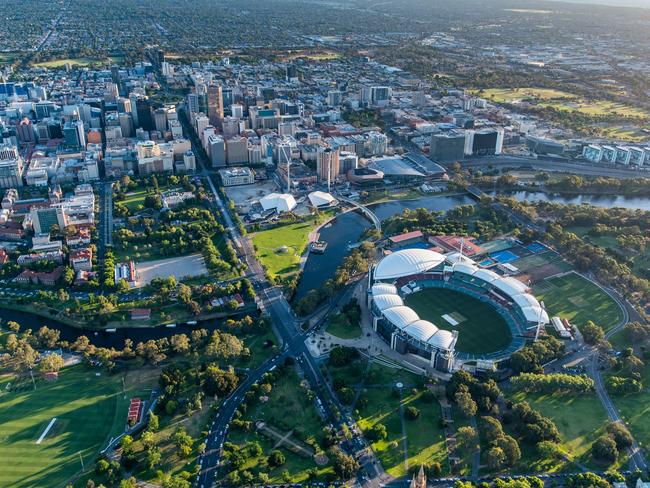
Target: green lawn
483 329
580 420
635 411
288 408
578 300
133 199
340 326
87 411
425 436
83 61
269 244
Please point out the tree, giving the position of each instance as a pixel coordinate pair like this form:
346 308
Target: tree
51 363
592 333
218 381
466 404
492 429
411 413
152 457
148 439
183 442
377 433
620 434
604 449
153 422
467 436
496 458
344 465
276 458
180 343
510 448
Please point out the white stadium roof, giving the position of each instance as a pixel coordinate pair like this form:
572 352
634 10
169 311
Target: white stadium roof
443 339
383 289
320 198
401 316
486 275
468 269
407 262
281 202
535 314
421 330
384 302
510 286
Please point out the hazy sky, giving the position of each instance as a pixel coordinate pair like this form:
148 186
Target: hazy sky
616 3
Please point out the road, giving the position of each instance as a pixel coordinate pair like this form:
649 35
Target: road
287 327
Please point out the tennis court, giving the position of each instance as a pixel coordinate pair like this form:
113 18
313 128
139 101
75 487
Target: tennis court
536 247
505 256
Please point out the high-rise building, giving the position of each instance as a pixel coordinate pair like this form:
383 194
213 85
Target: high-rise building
215 105
193 103
334 98
230 127
291 72
347 162
226 96
376 144
123 105
74 134
216 148
327 165
379 95
447 146
160 120
237 151
25 132
142 112
11 172
237 111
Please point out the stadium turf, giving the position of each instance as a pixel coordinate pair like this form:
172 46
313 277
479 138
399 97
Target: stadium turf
483 330
85 408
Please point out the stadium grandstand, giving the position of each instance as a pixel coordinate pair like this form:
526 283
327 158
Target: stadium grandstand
411 270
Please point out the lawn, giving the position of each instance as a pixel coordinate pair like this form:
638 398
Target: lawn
134 199
288 408
561 100
580 420
83 61
279 249
340 326
481 329
635 411
578 300
88 413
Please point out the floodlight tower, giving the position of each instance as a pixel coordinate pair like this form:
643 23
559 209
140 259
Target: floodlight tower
542 308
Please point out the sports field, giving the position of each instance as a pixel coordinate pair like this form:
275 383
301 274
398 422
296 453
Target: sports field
480 328
86 410
578 300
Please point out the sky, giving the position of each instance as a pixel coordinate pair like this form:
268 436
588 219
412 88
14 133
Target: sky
616 3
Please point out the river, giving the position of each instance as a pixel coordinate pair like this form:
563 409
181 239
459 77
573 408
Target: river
348 227
606 201
102 338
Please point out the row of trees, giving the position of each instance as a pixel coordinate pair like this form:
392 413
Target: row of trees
552 383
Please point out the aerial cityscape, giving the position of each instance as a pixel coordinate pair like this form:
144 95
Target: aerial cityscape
310 243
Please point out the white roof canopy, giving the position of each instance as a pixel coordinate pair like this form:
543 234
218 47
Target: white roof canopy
407 262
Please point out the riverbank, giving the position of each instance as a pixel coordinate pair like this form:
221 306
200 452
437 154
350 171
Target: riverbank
127 324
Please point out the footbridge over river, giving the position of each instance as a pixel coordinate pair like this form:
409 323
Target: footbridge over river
364 210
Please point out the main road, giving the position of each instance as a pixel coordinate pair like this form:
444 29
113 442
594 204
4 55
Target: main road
287 327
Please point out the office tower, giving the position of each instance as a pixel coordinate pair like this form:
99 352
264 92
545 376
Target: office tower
379 95
74 134
215 105
327 165
334 98
123 105
230 127
376 144
11 172
347 161
226 96
447 146
237 111
291 72
112 92
43 110
216 148
237 151
160 120
286 128
193 103
254 155
145 113
126 124
25 132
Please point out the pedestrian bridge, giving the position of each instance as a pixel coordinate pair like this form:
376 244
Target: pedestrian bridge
364 210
